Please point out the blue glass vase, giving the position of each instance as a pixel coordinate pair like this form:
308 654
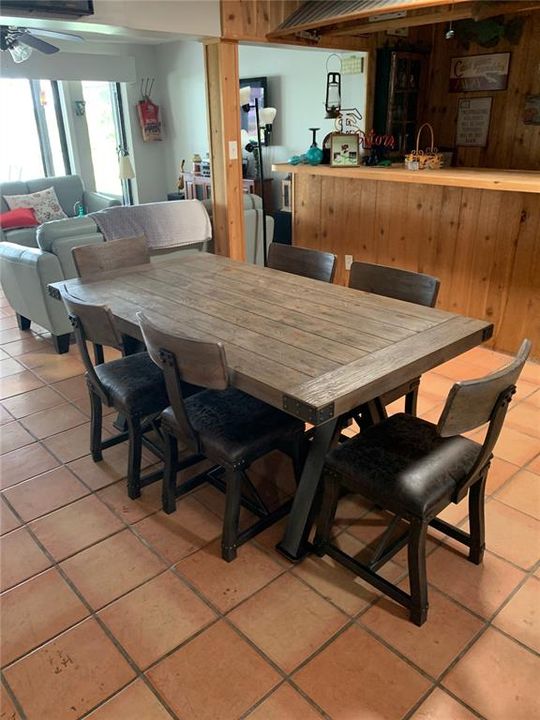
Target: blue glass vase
314 154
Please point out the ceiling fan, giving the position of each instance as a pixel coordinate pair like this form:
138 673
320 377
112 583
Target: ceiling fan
20 42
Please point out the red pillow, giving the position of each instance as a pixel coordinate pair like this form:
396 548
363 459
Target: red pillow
19 218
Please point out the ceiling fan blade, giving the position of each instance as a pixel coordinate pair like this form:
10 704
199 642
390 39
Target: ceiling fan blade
37 44
57 35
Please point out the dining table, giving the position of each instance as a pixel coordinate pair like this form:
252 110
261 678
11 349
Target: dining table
315 350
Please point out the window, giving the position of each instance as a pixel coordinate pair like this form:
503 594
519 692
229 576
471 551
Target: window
105 133
32 134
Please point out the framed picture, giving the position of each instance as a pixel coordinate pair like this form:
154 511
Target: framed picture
259 90
479 72
344 150
473 121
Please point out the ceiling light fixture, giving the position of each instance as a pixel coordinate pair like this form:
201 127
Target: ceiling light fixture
19 51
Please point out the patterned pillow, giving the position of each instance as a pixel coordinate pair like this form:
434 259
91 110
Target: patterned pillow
44 203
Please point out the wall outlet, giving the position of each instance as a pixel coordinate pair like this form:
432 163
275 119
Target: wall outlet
348 262
233 150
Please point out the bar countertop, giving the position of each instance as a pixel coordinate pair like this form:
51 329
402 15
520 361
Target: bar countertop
481 178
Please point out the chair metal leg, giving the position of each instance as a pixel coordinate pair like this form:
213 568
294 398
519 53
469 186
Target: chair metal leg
134 458
417 572
411 402
327 514
96 418
168 490
476 520
232 513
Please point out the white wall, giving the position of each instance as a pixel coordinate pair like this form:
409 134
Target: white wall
296 88
180 68
198 18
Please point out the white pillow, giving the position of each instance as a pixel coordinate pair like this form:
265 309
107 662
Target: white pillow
44 203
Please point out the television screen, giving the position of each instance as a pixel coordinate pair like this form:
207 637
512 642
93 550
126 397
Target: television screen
48 8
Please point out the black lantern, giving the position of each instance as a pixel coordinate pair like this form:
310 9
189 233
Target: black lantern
333 94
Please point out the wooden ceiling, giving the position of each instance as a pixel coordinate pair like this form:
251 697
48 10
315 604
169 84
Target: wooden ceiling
319 19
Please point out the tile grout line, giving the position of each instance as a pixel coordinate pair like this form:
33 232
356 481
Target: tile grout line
265 549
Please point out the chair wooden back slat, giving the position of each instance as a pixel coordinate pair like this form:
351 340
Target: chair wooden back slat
471 403
395 283
92 260
309 263
95 322
196 362
92 324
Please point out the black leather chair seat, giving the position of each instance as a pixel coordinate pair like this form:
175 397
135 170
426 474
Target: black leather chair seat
403 465
234 427
134 383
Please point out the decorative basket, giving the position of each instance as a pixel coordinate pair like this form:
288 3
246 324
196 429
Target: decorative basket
428 159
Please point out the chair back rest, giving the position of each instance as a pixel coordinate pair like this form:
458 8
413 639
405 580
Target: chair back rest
111 255
94 324
395 283
472 403
196 362
309 263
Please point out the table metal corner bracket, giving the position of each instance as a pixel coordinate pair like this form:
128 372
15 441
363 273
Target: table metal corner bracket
54 292
307 412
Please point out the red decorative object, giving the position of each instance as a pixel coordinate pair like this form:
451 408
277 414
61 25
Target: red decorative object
148 113
371 139
19 218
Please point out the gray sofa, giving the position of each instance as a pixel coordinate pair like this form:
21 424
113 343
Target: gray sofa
25 272
69 190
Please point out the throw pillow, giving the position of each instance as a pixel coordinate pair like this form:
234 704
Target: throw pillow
21 218
44 203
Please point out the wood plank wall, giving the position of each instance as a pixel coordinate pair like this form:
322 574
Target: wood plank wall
252 19
511 143
484 245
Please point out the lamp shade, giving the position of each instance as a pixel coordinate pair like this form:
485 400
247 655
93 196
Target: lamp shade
125 168
267 115
244 137
20 52
245 95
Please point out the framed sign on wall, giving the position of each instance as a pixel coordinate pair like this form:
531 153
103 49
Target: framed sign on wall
473 121
479 72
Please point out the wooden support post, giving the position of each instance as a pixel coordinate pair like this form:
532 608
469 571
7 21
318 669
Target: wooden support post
223 102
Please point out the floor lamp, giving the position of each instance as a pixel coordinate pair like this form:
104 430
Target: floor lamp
264 118
126 173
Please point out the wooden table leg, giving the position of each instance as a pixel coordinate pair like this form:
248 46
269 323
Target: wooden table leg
294 544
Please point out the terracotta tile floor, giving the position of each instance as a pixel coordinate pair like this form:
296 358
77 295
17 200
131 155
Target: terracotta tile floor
113 611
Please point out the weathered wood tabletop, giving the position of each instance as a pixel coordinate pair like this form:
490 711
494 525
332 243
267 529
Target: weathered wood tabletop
313 349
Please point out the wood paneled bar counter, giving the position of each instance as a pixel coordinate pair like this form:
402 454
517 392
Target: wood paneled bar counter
476 229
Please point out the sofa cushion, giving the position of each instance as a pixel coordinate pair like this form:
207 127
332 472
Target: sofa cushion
21 236
45 204
19 218
69 190
11 188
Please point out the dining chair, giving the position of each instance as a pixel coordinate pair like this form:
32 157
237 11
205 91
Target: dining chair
111 255
399 284
92 260
309 263
413 469
132 384
220 423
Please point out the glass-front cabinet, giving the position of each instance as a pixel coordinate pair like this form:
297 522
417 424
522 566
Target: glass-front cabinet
398 86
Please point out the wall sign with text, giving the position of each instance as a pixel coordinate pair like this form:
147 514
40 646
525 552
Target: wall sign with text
479 72
473 121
